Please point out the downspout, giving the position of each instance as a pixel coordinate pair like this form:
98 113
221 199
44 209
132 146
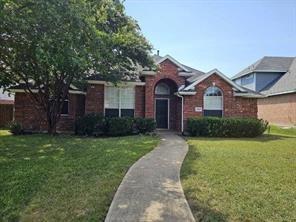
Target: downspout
182 105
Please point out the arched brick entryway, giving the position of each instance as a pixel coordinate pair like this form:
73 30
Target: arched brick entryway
167 106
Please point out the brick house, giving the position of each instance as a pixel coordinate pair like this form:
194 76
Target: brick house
275 79
170 95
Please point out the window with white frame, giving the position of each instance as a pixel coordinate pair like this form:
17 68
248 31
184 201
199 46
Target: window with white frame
213 102
119 101
162 89
248 79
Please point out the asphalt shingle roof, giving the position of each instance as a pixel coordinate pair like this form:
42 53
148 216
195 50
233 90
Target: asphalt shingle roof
286 83
267 64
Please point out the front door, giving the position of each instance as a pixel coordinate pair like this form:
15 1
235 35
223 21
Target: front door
161 113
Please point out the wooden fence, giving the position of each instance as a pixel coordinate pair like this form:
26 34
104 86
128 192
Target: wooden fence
6 114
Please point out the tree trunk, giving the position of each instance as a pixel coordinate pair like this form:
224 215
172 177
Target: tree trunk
51 126
52 120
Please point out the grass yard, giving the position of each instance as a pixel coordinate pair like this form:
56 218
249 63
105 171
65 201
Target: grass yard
63 178
282 131
242 179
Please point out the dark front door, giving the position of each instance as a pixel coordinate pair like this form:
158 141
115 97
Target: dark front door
161 113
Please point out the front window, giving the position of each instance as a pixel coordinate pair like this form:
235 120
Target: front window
119 102
248 79
213 102
162 89
65 108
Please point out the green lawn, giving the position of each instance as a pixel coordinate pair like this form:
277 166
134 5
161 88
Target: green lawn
63 178
282 131
242 179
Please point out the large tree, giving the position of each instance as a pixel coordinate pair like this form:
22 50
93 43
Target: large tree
50 44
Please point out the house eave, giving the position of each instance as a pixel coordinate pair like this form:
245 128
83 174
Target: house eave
122 83
36 91
148 73
248 95
254 71
186 93
281 93
186 74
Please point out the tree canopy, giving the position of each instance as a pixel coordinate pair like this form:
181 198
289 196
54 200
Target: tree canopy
50 44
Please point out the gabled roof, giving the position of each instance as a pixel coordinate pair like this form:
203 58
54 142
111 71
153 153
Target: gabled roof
159 59
208 74
285 84
173 61
267 64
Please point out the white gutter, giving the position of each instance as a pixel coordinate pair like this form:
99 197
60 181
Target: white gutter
36 91
248 95
187 93
280 93
122 83
148 73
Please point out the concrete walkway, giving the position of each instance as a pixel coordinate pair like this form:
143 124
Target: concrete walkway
151 189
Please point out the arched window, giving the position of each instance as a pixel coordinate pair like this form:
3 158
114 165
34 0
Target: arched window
213 102
162 89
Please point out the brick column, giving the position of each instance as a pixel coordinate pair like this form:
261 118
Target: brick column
94 99
140 101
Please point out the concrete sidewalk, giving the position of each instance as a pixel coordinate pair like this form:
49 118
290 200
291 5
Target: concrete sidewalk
151 189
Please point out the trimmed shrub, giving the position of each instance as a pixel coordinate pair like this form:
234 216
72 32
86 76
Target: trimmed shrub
97 125
15 128
90 124
119 126
226 127
145 125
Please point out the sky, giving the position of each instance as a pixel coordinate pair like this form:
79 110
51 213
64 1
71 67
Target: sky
227 35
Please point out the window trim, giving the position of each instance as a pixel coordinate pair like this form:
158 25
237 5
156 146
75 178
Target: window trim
248 79
162 94
249 76
222 100
119 99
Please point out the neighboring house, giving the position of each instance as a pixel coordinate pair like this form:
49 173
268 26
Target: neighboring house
6 107
170 95
275 79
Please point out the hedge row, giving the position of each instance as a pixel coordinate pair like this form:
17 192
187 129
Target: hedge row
98 125
226 127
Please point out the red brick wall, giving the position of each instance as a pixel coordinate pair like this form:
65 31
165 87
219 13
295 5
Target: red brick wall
232 106
279 110
94 100
168 70
140 101
33 118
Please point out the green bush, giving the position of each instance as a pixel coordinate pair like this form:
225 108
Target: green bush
120 126
96 125
15 128
90 124
226 127
145 125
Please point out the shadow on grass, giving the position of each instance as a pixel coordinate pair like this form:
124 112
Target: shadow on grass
204 213
263 138
201 211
